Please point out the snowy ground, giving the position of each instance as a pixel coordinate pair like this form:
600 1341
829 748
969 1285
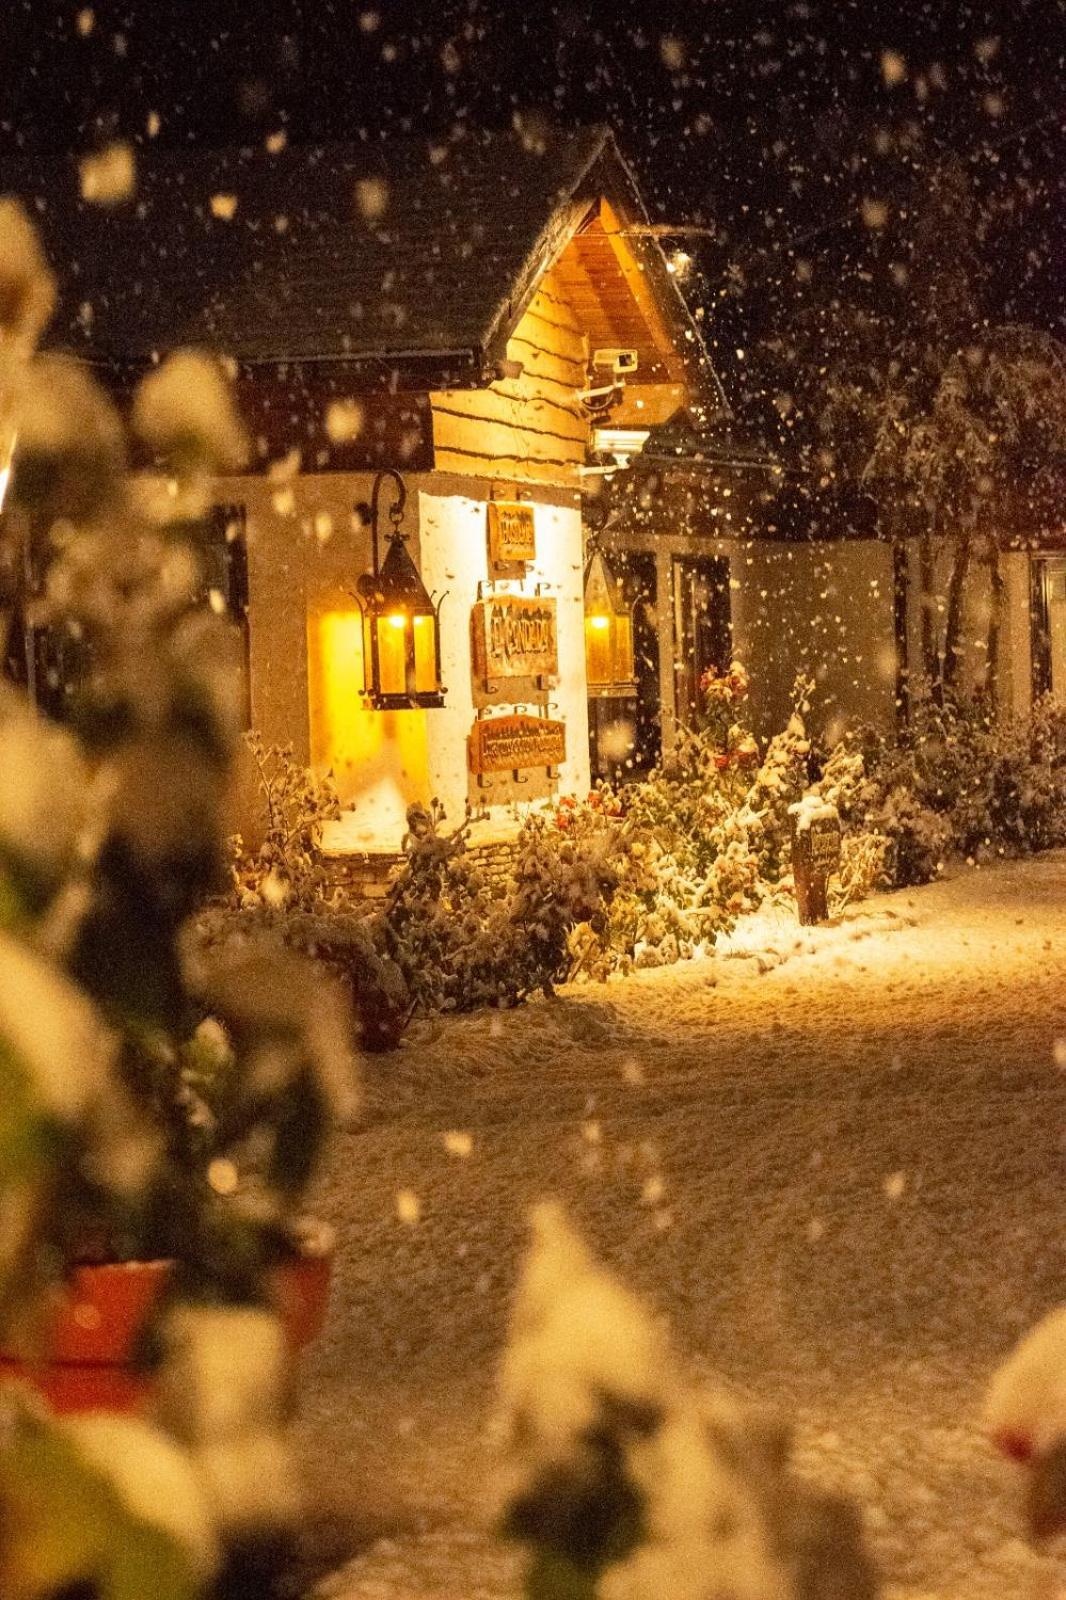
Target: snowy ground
833 1159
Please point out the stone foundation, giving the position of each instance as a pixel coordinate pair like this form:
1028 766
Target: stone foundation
367 877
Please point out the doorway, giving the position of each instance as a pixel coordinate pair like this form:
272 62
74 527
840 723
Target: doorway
1048 611
703 632
626 734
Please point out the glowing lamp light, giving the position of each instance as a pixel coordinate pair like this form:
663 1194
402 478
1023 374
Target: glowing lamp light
609 666
401 621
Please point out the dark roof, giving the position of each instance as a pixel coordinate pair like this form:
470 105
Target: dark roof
399 252
687 442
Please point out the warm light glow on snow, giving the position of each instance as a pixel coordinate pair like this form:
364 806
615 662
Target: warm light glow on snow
378 758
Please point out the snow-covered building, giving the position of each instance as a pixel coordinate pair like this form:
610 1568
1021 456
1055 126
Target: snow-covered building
494 319
493 323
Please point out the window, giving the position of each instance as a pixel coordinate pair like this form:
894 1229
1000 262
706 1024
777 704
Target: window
223 547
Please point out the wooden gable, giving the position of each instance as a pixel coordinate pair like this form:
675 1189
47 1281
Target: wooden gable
596 294
530 428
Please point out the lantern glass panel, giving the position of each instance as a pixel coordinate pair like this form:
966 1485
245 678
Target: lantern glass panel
624 669
598 650
369 625
393 633
425 652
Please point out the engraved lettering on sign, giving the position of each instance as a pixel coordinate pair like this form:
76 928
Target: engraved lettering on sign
515 637
506 744
824 845
512 532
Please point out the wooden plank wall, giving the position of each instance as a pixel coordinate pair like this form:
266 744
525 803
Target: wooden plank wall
529 429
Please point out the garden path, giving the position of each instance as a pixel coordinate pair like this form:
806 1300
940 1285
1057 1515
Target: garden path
833 1158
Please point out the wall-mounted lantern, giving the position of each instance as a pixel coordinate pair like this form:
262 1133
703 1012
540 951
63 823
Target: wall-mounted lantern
401 622
609 668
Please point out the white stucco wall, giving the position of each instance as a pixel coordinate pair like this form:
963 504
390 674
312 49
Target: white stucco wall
306 553
821 608
824 609
454 560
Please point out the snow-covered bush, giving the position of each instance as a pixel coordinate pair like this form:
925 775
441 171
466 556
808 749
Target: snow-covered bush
644 876
461 943
723 699
343 938
629 1482
148 1109
961 784
286 870
706 836
862 869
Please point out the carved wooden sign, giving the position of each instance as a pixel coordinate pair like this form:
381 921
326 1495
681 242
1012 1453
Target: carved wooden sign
515 637
506 744
815 857
823 845
512 532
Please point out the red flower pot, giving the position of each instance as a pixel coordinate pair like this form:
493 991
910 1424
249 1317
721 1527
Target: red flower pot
88 1343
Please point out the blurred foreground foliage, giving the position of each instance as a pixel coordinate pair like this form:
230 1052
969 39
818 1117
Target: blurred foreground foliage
150 1107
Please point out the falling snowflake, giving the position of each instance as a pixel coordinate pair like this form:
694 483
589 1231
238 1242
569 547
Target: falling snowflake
875 213
672 52
109 176
893 67
344 420
372 199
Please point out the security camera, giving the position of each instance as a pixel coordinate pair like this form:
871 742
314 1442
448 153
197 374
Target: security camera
622 363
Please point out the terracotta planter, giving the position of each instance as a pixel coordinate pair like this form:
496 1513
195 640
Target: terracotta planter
88 1348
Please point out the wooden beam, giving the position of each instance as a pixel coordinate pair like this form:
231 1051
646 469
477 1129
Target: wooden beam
637 279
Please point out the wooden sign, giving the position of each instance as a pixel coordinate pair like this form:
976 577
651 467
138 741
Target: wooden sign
512 532
515 637
506 744
823 845
815 857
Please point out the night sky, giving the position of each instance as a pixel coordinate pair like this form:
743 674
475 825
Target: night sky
770 125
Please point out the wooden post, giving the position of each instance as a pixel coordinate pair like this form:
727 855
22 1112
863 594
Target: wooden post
815 857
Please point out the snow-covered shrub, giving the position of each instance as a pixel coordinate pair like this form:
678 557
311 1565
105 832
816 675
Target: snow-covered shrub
707 836
130 1124
782 778
287 869
341 937
461 943
629 1482
723 699
960 784
862 869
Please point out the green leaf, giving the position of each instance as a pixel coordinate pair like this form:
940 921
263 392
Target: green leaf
26 1139
102 1500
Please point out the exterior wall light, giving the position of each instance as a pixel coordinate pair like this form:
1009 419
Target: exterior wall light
609 667
401 622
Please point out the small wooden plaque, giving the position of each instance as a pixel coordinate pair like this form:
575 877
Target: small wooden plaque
507 744
512 532
822 845
515 636
815 857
